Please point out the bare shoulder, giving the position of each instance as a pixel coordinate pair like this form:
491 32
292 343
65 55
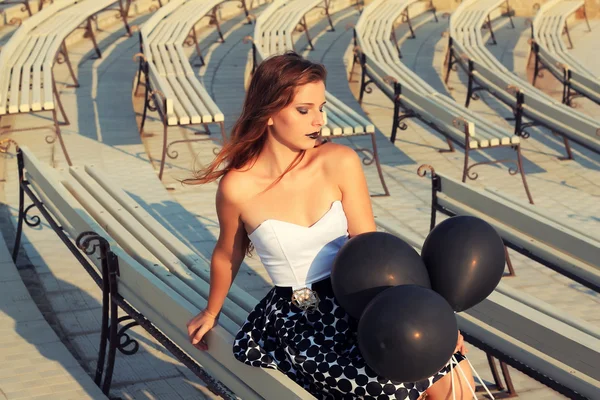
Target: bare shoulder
339 159
233 188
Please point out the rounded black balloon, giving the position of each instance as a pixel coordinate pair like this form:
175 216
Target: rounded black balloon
407 333
465 259
371 262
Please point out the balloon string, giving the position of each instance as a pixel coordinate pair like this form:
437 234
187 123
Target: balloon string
465 376
452 379
480 380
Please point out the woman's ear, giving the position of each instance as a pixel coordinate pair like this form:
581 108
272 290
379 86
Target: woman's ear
270 122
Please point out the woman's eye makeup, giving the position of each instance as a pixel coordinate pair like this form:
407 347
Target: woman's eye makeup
304 111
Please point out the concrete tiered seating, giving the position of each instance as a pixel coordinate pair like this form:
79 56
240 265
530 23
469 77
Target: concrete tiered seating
171 83
380 62
467 48
159 281
551 53
27 83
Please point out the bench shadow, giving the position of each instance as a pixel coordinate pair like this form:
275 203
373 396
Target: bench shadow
74 314
196 231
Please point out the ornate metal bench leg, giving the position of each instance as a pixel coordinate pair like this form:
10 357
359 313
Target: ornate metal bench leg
586 18
566 30
489 25
22 213
164 150
91 243
386 192
511 270
195 39
124 11
522 172
435 187
451 62
60 138
450 148
569 155
60 106
90 31
65 54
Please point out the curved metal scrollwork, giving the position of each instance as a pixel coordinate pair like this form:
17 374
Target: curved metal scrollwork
367 88
123 338
84 242
5 145
474 175
31 220
15 21
368 156
422 170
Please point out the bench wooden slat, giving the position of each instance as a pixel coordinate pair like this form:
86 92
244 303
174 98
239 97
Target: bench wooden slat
193 260
143 242
157 300
519 218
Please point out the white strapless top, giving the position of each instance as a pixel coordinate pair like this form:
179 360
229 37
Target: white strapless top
296 255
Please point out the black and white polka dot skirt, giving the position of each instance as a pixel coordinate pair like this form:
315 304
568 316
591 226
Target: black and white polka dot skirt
318 350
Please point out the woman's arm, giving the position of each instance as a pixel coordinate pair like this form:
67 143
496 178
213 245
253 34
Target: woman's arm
355 193
225 262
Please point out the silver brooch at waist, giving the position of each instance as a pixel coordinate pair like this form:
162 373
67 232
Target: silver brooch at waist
305 299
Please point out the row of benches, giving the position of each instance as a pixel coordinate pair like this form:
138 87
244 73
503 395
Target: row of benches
540 340
171 85
27 83
161 283
273 35
412 96
551 53
485 72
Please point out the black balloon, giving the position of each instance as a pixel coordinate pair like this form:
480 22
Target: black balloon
465 259
371 262
407 333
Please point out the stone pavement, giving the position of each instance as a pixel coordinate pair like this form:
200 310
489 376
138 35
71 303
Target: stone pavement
34 363
104 132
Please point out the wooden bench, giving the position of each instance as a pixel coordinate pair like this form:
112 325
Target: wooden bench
148 272
273 35
531 336
380 62
551 53
524 228
172 87
467 49
27 83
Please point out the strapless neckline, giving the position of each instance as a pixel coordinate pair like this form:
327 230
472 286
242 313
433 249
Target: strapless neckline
272 220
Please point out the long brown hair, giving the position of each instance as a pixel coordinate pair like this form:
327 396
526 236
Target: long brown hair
271 89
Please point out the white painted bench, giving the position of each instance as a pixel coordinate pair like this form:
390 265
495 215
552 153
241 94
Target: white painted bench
551 53
523 227
172 86
160 282
380 62
27 83
273 35
531 336
467 49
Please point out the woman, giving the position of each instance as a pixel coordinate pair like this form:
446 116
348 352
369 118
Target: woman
297 201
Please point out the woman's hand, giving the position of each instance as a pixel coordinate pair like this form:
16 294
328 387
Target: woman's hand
460 345
198 326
